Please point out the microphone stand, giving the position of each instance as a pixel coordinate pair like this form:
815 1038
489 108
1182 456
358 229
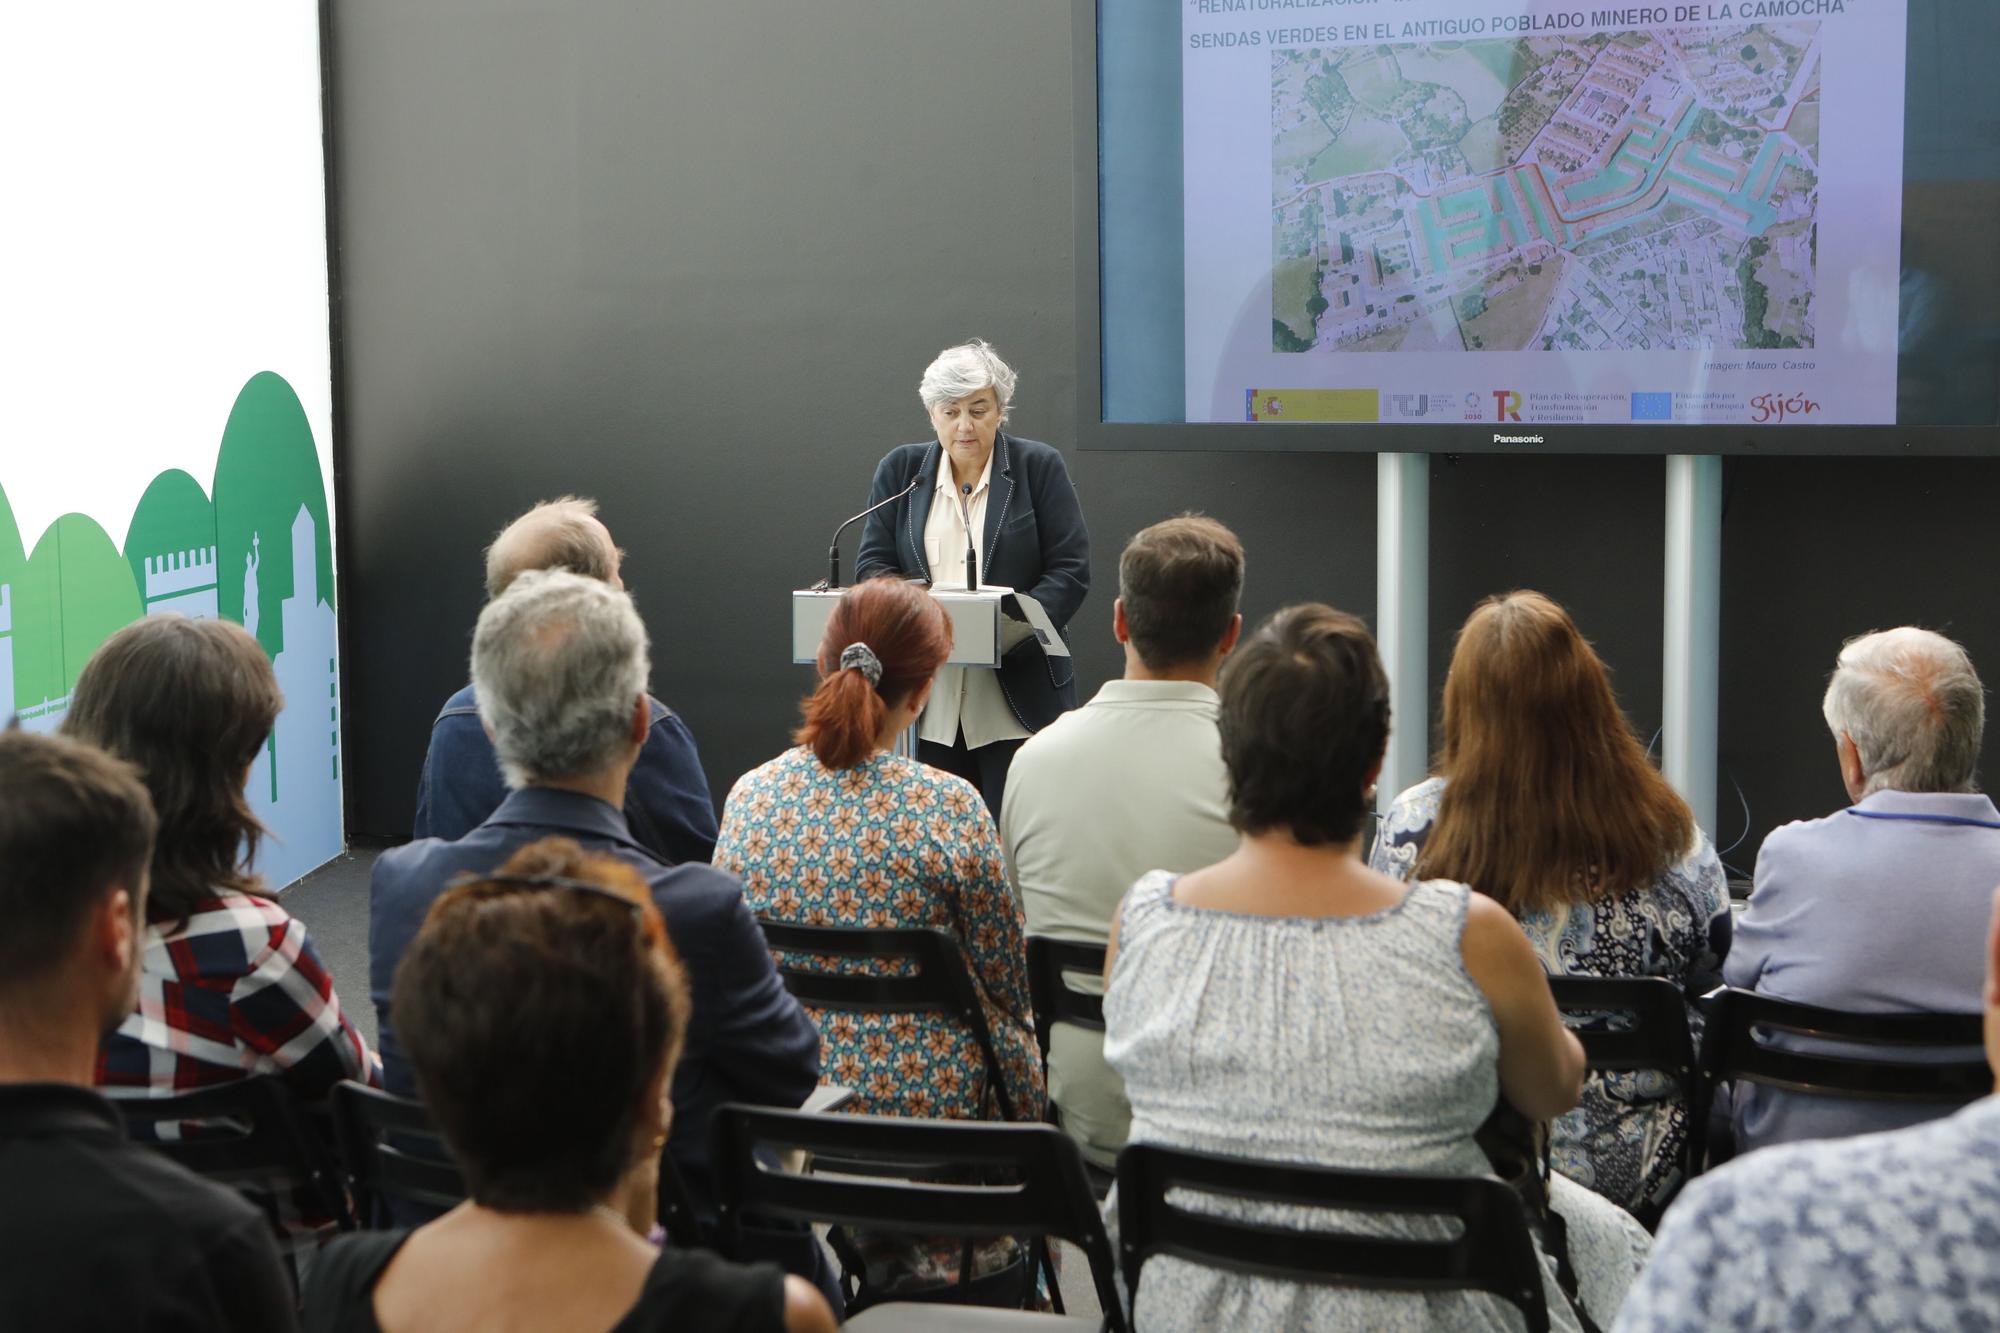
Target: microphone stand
971 550
833 550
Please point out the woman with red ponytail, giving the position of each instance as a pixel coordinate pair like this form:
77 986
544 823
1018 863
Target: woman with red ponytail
840 831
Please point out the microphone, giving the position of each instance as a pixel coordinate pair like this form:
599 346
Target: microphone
971 551
833 550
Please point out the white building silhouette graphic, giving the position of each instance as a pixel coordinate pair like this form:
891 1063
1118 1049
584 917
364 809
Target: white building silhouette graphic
6 650
295 784
183 581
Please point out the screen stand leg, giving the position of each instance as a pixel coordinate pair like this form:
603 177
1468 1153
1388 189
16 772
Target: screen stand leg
1691 669
906 743
1402 614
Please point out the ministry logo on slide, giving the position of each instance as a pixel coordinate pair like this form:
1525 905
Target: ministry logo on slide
1506 404
1652 407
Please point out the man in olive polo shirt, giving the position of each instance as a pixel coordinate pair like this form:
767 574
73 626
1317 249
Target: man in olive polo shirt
1130 782
96 1232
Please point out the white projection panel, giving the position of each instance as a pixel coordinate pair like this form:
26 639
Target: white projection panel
166 425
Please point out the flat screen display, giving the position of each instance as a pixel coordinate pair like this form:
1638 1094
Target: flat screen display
1520 223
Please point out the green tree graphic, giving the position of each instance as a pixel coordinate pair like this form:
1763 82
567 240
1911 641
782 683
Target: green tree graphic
74 594
266 470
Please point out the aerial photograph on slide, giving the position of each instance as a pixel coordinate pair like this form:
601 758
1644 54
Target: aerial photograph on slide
1651 189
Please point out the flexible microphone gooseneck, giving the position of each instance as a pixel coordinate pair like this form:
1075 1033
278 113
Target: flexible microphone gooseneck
833 549
971 551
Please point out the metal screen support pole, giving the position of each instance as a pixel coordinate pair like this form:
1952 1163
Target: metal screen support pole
1691 670
1402 614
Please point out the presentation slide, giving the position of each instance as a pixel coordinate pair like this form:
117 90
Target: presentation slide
1540 212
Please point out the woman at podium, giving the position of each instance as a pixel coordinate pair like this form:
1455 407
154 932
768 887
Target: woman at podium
1010 503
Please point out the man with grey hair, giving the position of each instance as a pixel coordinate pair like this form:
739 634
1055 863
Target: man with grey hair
667 801
1869 909
560 663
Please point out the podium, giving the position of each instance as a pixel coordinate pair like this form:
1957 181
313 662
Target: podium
985 622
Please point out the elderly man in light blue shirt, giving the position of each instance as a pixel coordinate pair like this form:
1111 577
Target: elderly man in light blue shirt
1886 1231
1870 909
1133 781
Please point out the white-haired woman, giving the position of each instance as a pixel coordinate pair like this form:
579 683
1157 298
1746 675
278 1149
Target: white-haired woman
1015 499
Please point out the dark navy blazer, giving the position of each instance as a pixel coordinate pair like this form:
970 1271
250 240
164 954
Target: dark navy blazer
1034 541
667 803
749 1040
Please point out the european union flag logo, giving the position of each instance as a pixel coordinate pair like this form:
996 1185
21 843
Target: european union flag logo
1652 407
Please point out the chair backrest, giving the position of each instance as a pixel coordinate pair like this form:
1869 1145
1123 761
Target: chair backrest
389 1149
1493 1251
1055 998
1044 1193
1654 1036
250 1133
1732 1050
938 979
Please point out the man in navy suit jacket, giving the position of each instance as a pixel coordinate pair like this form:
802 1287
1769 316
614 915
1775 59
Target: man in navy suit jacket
667 802
560 662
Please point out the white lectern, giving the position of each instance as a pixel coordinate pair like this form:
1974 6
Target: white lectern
985 622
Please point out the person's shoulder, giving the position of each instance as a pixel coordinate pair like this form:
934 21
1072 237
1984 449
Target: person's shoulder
691 891
1034 454
346 1269
137 1192
953 795
697 1288
1419 801
1803 833
905 458
462 703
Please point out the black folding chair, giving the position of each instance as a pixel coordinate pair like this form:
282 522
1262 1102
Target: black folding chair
1734 1049
1055 999
252 1134
1032 1184
390 1149
1493 1251
1648 1031
938 983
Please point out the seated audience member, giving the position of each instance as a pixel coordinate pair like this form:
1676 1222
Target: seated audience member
1291 1004
838 831
98 1232
543 1008
1869 909
1545 801
1131 782
1886 1231
667 805
560 663
230 985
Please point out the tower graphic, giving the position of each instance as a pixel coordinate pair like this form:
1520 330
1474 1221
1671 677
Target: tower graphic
182 581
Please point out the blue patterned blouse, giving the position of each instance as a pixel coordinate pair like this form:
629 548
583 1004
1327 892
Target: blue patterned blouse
891 843
1885 1231
1625 1139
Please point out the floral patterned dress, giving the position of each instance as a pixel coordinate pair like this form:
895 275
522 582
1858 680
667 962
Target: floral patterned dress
890 843
1625 1139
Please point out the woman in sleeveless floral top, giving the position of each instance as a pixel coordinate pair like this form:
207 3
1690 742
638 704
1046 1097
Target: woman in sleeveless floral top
1546 802
839 832
1290 1004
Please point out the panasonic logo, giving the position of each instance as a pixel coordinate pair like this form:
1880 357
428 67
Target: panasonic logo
1517 439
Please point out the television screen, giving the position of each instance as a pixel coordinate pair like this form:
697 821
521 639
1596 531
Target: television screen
1489 224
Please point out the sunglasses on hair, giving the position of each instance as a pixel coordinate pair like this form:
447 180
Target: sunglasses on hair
555 882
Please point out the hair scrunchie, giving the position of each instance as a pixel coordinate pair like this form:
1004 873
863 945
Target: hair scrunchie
860 657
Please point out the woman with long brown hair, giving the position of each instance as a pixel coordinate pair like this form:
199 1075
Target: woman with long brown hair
1546 802
230 986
